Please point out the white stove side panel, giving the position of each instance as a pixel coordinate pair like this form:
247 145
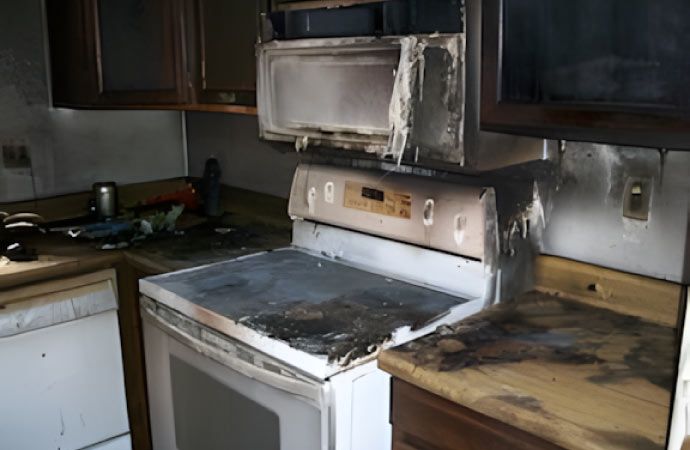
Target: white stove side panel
361 402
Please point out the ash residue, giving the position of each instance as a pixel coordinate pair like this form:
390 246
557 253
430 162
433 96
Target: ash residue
525 402
628 440
554 330
489 342
339 328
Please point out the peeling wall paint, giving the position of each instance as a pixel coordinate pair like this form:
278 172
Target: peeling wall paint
71 149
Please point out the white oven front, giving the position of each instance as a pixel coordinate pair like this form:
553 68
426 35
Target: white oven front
204 396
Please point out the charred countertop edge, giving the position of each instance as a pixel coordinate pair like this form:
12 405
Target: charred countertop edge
394 362
60 267
412 374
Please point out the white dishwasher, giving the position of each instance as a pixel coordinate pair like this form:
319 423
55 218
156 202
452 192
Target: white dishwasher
62 383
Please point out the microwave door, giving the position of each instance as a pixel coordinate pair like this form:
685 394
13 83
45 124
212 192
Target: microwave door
328 92
401 98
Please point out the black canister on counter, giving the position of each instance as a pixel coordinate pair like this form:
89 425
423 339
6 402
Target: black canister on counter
211 187
105 198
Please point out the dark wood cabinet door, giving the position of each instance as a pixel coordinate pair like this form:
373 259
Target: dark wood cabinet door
116 53
226 34
72 53
611 71
139 51
424 421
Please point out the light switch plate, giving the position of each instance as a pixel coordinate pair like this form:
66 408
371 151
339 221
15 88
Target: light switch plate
16 156
637 198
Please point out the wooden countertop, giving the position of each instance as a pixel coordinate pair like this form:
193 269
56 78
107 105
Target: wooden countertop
254 223
574 372
61 256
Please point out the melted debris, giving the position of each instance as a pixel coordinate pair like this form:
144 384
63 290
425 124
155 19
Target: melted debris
313 303
340 328
555 330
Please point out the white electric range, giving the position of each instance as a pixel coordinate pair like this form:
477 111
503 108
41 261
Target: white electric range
277 350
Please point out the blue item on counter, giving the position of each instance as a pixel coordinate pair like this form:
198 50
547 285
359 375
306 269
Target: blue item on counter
105 229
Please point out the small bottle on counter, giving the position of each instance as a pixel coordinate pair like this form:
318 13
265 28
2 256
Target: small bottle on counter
211 187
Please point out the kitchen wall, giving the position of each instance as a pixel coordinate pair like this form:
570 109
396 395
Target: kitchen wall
584 210
70 149
246 161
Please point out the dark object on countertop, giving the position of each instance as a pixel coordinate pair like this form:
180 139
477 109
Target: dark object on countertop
18 253
211 187
12 228
106 199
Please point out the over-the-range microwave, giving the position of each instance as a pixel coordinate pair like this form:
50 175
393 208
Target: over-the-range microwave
407 98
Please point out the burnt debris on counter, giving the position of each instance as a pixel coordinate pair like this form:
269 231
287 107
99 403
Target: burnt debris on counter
554 330
315 304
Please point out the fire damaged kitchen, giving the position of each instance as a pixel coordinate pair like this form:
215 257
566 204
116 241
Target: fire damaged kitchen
344 225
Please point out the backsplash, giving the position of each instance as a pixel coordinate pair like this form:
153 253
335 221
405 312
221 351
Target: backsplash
71 149
586 219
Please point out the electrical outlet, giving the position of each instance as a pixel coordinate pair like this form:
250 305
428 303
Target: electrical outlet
16 155
637 198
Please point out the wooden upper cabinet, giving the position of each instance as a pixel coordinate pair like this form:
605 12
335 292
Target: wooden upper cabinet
72 53
139 51
140 54
226 34
609 71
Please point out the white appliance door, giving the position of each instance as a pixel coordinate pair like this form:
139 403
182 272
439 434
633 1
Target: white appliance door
330 91
62 386
381 95
198 403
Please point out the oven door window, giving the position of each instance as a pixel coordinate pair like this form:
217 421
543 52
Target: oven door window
225 419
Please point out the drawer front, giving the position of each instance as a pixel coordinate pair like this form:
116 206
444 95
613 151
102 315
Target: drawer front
52 302
424 421
58 307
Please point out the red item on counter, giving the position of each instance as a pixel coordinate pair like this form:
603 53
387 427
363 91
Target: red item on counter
186 197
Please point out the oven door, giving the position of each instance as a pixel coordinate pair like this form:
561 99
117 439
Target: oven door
207 391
